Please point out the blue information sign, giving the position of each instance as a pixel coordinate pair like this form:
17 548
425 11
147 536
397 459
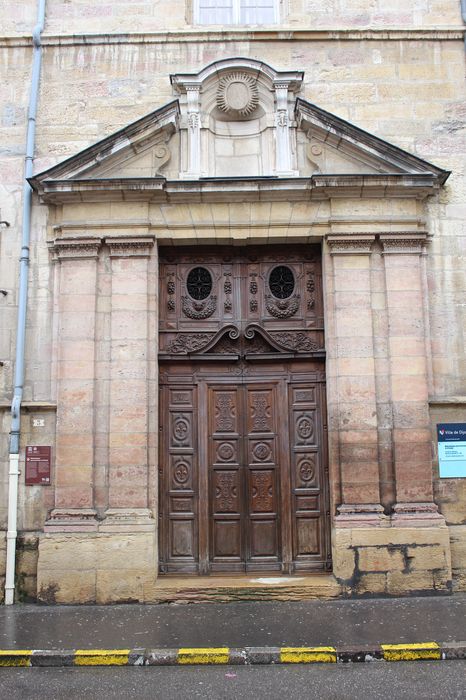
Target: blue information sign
452 450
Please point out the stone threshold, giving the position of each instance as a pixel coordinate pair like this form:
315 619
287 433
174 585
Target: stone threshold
225 589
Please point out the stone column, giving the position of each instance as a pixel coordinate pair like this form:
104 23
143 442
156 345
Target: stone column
409 377
351 377
75 363
129 405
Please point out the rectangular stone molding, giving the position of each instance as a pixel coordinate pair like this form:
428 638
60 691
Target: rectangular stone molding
75 325
128 445
351 380
408 374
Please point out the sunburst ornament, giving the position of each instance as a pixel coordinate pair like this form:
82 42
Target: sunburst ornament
237 94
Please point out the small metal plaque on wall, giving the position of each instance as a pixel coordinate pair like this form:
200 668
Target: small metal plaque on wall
38 460
452 450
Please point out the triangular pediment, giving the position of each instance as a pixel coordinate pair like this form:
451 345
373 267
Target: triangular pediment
139 150
201 144
338 147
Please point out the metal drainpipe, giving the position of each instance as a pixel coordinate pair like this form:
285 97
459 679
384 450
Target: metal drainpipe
22 306
463 15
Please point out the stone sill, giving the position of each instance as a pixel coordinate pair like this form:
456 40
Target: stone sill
447 401
438 33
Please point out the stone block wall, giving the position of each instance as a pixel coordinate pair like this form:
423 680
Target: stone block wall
393 561
96 567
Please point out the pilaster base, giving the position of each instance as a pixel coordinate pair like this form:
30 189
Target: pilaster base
417 515
71 520
115 562
361 515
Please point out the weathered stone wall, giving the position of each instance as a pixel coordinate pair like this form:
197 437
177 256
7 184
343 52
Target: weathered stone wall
405 86
79 16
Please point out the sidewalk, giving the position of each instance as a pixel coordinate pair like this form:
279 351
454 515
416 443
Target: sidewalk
243 632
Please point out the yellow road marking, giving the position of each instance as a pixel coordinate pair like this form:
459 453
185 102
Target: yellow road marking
212 655
15 657
410 652
101 657
306 655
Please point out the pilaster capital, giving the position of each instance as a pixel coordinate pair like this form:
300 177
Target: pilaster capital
350 244
406 243
75 248
140 246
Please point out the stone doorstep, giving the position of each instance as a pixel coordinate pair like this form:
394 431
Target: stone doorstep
180 589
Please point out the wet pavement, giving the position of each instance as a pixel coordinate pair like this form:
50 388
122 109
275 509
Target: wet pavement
304 623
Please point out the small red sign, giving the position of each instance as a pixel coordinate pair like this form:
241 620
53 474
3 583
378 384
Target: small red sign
38 460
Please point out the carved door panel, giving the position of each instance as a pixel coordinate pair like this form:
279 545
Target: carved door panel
244 490
179 479
262 459
225 478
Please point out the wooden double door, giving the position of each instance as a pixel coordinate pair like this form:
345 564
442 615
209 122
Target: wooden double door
243 476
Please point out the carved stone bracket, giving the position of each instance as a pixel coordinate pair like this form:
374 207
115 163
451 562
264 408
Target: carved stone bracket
130 247
75 248
198 309
282 308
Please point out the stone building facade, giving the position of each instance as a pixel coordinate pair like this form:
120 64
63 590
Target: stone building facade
246 309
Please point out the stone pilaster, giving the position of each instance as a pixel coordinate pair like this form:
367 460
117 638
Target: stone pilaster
194 131
283 166
351 377
75 368
128 412
409 378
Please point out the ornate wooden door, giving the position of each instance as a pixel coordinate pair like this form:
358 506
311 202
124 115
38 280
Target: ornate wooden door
243 480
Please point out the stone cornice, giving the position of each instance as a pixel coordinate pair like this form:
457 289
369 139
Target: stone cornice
130 247
317 187
439 33
75 248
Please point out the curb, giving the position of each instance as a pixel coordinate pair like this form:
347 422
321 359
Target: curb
244 656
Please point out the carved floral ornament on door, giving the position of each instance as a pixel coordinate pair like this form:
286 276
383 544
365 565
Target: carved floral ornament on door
265 299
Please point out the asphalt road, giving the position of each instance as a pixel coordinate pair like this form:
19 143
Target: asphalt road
428 680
